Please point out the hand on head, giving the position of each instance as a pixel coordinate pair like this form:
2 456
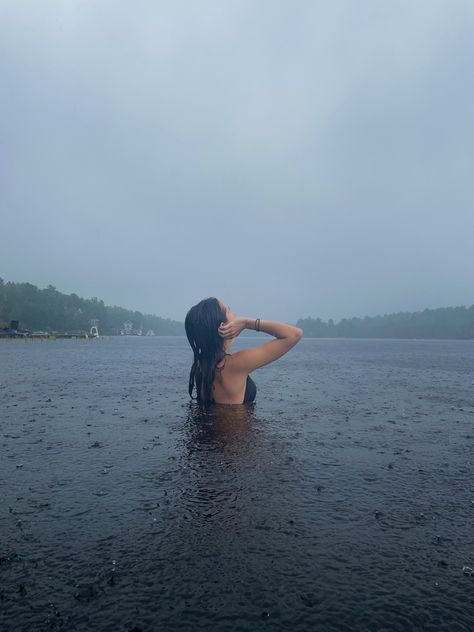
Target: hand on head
232 328
224 330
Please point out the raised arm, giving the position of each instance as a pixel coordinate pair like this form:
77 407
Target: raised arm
247 360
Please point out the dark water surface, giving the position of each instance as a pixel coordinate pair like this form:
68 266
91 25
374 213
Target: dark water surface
342 500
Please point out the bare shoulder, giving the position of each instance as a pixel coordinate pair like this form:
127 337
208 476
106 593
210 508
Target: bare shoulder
247 360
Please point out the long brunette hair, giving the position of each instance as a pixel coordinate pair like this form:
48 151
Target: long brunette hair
201 323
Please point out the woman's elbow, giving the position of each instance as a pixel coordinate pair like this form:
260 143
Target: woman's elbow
298 333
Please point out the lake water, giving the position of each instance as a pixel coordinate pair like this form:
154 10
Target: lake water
341 500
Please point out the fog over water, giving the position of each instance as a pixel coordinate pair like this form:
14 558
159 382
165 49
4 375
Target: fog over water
293 159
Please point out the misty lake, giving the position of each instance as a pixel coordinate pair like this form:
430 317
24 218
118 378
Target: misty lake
341 500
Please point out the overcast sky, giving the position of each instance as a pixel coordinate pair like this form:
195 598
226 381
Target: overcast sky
294 159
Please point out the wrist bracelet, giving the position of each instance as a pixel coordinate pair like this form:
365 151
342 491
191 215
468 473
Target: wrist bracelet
257 324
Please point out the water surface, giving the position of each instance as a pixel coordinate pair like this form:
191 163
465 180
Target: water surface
341 500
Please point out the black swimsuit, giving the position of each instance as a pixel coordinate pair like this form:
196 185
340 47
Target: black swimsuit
250 389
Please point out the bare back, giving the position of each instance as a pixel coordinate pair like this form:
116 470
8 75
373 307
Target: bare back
229 385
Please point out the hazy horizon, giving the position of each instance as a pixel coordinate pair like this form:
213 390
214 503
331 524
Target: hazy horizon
292 160
314 316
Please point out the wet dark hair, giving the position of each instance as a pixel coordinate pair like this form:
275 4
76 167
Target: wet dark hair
201 323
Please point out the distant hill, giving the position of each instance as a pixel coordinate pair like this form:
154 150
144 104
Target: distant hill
442 323
50 310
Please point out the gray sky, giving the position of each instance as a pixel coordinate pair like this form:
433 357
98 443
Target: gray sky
291 158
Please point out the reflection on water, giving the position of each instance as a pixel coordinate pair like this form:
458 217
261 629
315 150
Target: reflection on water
218 455
220 427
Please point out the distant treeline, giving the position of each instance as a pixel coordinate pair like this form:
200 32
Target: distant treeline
441 323
49 310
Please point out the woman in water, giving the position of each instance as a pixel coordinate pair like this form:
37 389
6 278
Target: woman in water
222 377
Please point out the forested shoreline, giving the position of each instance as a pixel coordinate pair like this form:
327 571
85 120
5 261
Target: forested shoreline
449 323
52 311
